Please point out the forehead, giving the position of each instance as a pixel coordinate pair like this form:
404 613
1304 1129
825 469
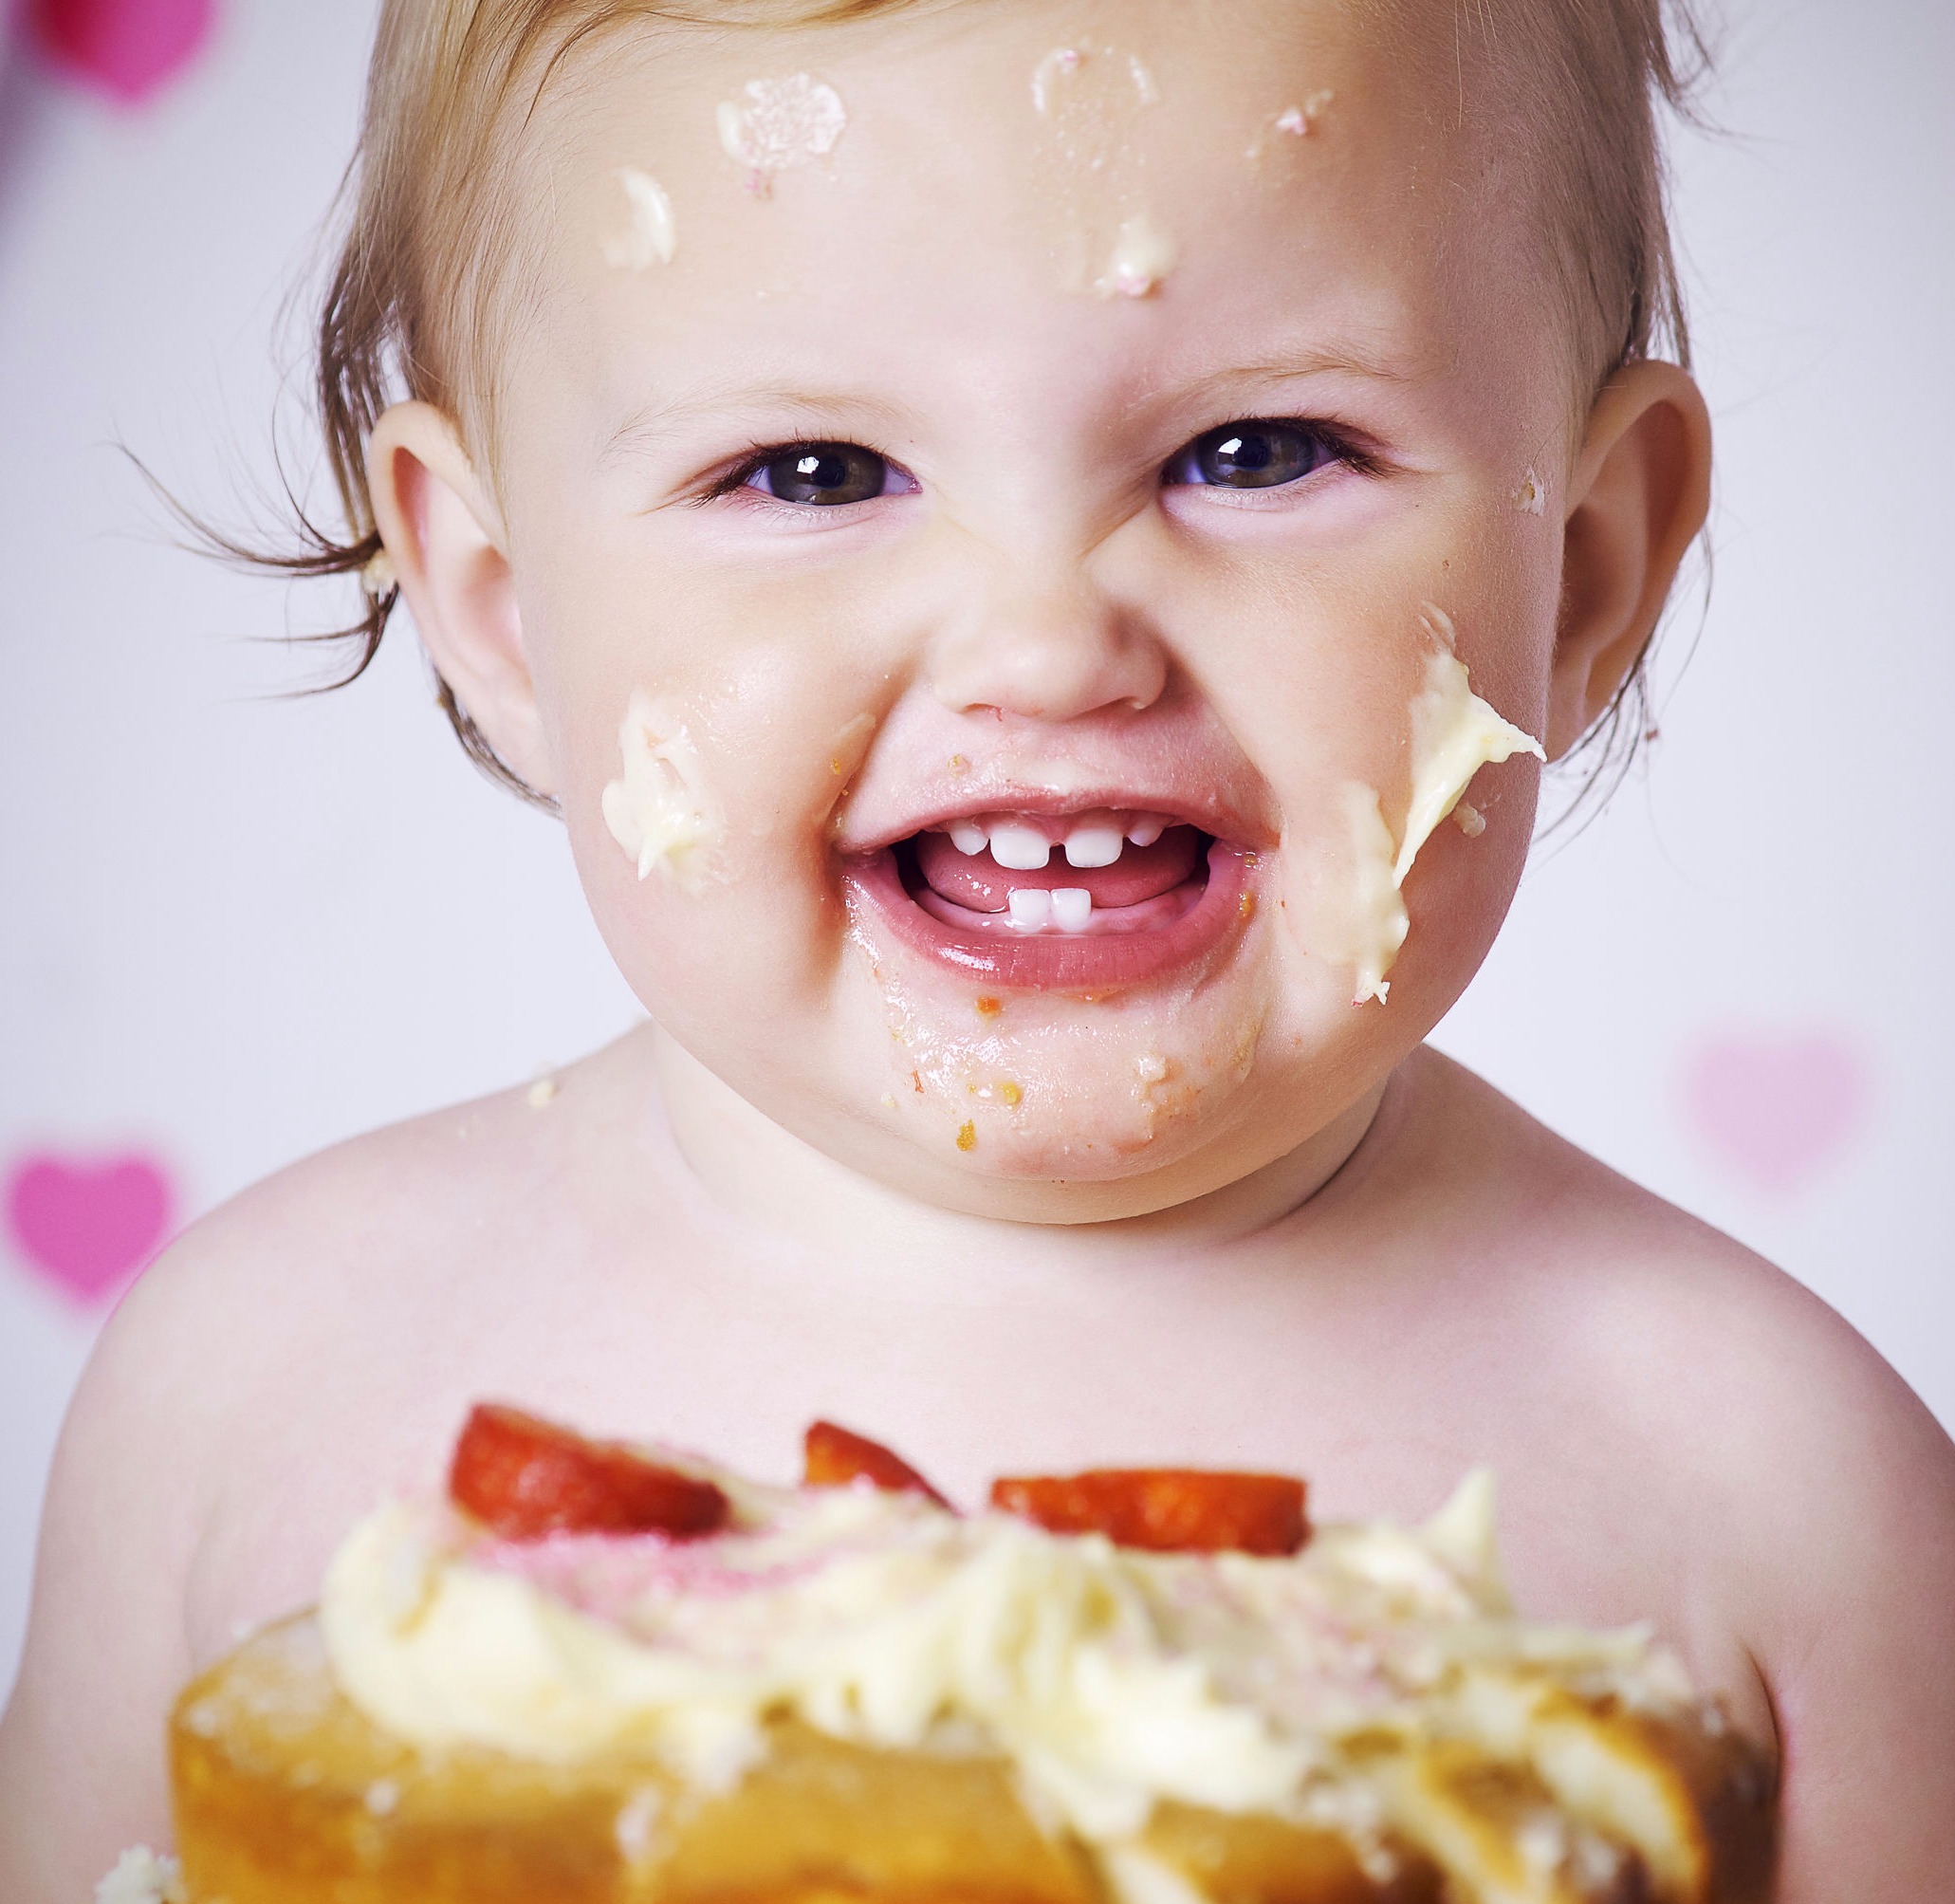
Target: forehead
961 185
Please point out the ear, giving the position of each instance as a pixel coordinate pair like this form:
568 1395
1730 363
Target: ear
1639 492
449 549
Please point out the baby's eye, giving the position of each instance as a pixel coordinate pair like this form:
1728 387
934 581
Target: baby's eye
1258 454
826 474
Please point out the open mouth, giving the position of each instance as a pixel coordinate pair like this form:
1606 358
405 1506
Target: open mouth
1083 901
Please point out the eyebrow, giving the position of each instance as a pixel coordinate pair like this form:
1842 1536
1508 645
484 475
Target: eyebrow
827 410
729 402
1340 357
1346 360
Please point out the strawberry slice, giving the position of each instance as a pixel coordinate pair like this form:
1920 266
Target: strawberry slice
526 1478
836 1456
1173 1511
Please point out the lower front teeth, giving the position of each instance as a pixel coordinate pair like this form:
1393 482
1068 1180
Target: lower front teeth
1072 908
1069 908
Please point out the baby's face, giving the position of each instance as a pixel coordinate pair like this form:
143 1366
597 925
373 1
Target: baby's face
1019 528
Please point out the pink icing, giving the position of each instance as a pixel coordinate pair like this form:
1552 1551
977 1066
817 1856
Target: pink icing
608 1575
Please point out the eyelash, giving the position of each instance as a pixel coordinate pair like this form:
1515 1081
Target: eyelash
1340 450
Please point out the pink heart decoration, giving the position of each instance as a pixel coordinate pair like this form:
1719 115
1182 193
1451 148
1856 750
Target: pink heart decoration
1777 1110
89 1228
129 49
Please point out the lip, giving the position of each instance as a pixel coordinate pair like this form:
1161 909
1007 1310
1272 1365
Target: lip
1066 962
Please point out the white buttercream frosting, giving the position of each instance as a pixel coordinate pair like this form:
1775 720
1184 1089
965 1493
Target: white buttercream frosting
1111 1680
1454 733
660 809
653 235
141 1876
776 123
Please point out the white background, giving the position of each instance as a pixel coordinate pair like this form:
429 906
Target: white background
235 927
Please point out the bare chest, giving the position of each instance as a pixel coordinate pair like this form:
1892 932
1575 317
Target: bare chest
1373 1398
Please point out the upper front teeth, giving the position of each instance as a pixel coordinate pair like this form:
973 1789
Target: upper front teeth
1019 848
1092 846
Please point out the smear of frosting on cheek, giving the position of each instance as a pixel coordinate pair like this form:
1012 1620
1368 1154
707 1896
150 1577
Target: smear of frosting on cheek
775 125
651 236
660 809
1454 733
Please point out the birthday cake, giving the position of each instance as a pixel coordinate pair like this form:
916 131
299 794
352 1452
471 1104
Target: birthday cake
594 1671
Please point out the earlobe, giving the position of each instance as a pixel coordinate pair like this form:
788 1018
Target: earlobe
447 546
1639 495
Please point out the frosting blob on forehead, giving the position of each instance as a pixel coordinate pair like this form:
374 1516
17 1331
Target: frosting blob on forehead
776 123
653 236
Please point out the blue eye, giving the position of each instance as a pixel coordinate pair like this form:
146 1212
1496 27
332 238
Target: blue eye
1256 455
827 475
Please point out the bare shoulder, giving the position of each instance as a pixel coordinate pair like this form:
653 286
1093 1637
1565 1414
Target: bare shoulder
1725 1417
1720 1361
249 1398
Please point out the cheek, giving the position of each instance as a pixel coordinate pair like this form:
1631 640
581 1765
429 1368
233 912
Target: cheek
702 756
1377 703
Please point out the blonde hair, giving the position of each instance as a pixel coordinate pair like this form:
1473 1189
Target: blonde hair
421 287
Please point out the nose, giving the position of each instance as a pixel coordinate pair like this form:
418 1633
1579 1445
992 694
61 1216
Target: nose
1051 650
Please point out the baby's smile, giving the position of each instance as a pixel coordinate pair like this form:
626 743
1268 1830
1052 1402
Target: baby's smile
1088 898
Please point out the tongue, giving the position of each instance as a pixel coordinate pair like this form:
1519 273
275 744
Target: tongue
981 884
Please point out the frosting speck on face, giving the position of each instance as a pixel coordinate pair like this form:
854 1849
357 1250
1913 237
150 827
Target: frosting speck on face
653 236
659 811
1058 65
779 123
1143 254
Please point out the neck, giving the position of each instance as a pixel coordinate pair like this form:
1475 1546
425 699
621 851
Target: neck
761 1173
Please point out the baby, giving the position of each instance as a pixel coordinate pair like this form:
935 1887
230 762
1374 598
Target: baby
1037 546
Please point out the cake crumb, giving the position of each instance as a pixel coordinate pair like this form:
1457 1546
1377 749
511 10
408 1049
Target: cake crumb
378 578
1469 820
141 1876
636 1822
889 1101
543 1094
1011 1094
967 1138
